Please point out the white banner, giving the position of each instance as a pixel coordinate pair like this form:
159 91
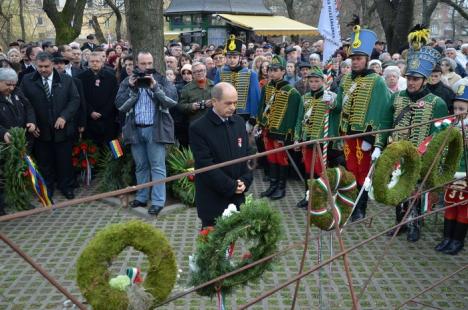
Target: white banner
329 28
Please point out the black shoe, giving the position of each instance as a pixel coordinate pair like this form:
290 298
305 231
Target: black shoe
154 210
280 191
136 203
443 245
270 190
68 194
453 247
357 215
302 204
413 233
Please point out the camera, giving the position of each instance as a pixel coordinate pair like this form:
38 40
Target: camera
142 78
202 105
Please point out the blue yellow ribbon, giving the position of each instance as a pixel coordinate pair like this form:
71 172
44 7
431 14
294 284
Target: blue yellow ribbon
38 183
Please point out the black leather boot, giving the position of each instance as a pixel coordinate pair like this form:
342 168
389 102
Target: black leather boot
400 211
456 245
274 173
414 227
360 211
303 203
449 227
280 191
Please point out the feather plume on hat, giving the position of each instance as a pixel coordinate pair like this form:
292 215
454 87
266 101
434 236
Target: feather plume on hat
418 37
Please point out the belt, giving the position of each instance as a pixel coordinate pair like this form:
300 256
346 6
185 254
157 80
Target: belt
143 125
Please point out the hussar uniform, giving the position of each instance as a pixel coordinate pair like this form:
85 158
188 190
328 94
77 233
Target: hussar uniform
278 117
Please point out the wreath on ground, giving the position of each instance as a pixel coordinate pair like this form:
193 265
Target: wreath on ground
115 173
18 189
447 163
181 161
403 156
92 265
344 192
257 224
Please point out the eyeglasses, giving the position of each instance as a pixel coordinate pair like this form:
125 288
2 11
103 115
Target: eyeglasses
199 71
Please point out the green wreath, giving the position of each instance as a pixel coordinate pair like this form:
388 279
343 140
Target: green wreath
407 155
257 223
343 185
180 161
92 265
447 164
18 189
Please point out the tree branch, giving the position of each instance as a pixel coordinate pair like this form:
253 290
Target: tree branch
457 8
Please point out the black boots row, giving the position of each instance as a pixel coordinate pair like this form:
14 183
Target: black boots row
454 236
359 211
278 177
413 228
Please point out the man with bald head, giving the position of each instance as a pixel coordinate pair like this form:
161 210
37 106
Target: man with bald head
219 136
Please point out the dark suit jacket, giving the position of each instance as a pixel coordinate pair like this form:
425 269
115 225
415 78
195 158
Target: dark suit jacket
24 72
87 46
64 103
213 141
15 114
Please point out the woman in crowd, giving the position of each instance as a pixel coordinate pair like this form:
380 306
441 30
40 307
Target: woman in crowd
449 77
263 74
395 82
184 59
14 57
257 64
291 75
375 65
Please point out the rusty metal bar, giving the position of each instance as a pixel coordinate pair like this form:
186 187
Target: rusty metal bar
437 283
410 207
131 189
338 233
307 236
327 261
41 270
425 305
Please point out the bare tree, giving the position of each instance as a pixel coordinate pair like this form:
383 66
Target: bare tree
396 17
147 15
430 6
21 18
118 16
5 22
97 30
290 8
68 22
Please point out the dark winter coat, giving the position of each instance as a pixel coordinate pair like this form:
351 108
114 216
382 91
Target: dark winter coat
15 114
64 103
100 91
213 141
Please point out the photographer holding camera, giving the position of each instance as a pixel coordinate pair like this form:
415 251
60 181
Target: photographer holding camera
146 97
195 98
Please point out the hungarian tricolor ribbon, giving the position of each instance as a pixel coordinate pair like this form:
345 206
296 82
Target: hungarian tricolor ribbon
38 183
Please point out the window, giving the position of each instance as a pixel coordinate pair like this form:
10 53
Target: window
90 3
40 21
90 23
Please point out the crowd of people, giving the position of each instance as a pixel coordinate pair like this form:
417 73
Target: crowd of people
285 93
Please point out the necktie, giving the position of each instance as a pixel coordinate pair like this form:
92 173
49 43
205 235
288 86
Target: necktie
47 88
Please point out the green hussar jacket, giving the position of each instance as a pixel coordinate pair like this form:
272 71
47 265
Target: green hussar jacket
312 127
411 110
364 102
279 107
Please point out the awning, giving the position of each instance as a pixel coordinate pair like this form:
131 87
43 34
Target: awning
171 35
270 25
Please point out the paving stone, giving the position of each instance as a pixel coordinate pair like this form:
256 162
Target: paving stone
56 239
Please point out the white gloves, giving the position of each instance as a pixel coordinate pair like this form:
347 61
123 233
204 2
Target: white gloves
366 146
376 153
367 184
327 97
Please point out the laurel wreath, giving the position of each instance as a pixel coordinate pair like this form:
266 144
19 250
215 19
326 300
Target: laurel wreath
92 265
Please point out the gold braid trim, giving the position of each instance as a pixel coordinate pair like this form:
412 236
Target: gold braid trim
313 127
355 108
278 107
416 115
241 82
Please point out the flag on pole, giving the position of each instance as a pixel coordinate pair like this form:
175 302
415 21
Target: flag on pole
329 28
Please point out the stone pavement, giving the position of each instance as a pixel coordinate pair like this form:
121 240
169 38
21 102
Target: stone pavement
56 239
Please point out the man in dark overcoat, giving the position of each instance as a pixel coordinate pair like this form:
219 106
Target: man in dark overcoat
216 137
55 100
100 88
